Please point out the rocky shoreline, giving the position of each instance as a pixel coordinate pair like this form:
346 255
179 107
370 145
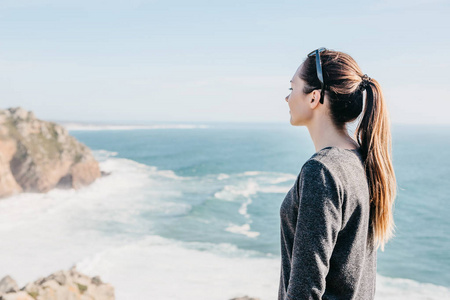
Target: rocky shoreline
37 156
60 285
63 285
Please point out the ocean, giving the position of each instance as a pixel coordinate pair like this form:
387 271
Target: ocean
191 211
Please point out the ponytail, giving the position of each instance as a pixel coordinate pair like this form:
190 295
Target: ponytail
345 92
374 137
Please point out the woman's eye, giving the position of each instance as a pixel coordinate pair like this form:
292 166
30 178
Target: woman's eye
290 89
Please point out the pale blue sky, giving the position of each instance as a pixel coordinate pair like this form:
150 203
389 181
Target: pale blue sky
203 61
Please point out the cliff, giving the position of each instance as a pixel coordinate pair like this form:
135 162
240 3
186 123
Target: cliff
36 156
58 286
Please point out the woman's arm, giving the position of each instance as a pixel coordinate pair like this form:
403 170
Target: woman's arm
319 221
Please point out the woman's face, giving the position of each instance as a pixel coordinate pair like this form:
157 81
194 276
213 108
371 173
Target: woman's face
301 109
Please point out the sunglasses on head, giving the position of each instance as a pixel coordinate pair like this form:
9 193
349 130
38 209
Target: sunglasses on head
319 70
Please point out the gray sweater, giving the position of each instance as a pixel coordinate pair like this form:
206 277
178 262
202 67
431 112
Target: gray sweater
327 251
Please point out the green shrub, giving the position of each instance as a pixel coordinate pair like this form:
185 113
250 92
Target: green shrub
33 294
82 288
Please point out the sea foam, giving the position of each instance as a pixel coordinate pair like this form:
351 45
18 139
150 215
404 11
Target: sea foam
100 228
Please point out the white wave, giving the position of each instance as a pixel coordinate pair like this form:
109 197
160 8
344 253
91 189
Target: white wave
244 190
206 271
400 288
247 188
229 192
269 177
274 189
157 264
169 209
101 155
283 178
91 127
252 173
58 225
129 167
244 229
223 249
222 176
244 206
109 198
170 174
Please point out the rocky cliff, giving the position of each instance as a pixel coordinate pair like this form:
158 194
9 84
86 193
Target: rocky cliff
61 285
65 285
36 156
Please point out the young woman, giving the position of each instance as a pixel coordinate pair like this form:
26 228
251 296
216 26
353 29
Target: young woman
339 210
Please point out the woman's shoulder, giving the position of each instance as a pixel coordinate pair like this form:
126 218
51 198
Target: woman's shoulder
335 162
315 168
334 157
317 182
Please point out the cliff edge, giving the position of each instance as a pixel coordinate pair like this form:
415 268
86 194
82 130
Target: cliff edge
36 156
60 285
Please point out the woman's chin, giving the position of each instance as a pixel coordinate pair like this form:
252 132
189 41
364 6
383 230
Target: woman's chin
294 122
291 120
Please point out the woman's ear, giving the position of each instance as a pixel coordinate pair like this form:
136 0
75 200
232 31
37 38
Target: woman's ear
315 99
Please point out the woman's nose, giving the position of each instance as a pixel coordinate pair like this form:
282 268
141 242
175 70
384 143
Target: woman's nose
287 98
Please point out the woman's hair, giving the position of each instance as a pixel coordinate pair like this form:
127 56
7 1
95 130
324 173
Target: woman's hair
344 90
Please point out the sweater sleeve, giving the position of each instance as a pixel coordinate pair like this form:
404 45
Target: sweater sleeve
318 224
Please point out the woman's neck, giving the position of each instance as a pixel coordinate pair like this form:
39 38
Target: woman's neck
324 134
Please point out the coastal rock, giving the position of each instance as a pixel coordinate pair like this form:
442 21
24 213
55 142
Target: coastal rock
8 285
8 184
61 285
17 296
36 156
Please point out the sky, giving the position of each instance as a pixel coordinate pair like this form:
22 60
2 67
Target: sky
213 61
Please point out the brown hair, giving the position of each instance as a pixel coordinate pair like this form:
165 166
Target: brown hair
344 91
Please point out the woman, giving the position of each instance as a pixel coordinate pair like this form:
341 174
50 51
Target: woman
339 210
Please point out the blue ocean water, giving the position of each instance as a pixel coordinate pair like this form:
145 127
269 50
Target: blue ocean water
420 250
202 203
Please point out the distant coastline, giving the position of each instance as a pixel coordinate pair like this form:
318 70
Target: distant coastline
71 126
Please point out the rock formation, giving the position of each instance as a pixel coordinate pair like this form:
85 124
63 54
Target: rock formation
36 156
61 285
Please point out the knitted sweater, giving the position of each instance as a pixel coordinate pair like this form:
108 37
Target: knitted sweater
327 251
